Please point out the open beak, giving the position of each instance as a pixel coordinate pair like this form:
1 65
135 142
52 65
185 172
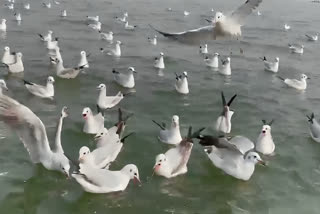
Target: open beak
308 78
66 174
262 163
84 116
136 180
6 88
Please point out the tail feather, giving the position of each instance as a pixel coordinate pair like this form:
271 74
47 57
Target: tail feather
158 124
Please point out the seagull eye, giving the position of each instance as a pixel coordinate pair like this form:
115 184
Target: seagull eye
160 160
164 159
84 153
135 174
254 156
62 168
130 170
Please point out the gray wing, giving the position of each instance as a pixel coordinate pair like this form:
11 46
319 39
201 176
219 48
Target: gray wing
245 10
27 125
242 143
184 149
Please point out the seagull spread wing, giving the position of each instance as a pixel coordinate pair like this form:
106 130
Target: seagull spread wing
245 10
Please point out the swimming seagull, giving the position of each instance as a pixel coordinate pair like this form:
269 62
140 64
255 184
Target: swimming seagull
125 80
287 27
95 26
51 45
271 66
83 60
64 13
223 123
32 133
174 161
203 49
225 67
3 85
123 18
222 25
298 49
259 13
67 73
46 91
107 102
8 57
18 17
116 51
16 67
93 18
186 13
47 37
96 180
297 84
159 62
181 84
213 61
229 158
265 144
26 6
56 2
3 25
172 134
314 128
10 6
93 124
47 5
56 57
106 36
153 40
312 38
129 27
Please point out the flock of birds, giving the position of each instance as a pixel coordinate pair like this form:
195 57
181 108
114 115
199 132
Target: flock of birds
235 155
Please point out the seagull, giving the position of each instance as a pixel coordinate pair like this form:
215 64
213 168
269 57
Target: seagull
18 17
312 38
153 40
95 180
32 133
64 13
159 62
3 25
95 26
181 84
8 57
129 27
64 114
203 49
106 36
48 37
93 124
51 45
27 6
56 57
314 127
213 61
46 91
47 5
107 102
125 80
225 67
171 135
93 18
265 144
83 60
56 2
259 13
271 66
3 85
116 51
123 18
174 161
286 27
186 13
221 25
297 84
10 6
298 49
67 73
16 67
223 123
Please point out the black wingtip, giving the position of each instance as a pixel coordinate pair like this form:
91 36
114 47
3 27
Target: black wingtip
25 82
231 100
281 78
125 137
158 124
310 118
223 99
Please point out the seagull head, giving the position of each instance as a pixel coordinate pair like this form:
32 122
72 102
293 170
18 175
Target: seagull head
83 152
218 17
277 59
131 69
64 112
161 160
83 53
6 48
118 42
86 112
266 128
304 77
132 171
161 54
255 158
65 166
101 87
19 55
185 74
101 134
3 20
50 79
175 121
3 84
216 54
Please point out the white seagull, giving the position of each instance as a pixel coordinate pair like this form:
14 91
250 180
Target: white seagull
181 84
107 102
3 25
213 61
153 40
272 66
52 45
96 180
47 5
58 145
10 6
93 124
116 51
225 67
32 133
125 80
16 67
3 85
172 134
66 73
223 123
123 18
203 49
297 84
174 161
47 37
56 57
26 6
298 49
46 91
159 62
63 13
313 38
314 128
265 144
287 27
18 17
93 18
186 13
129 27
95 26
8 57
106 36
83 60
